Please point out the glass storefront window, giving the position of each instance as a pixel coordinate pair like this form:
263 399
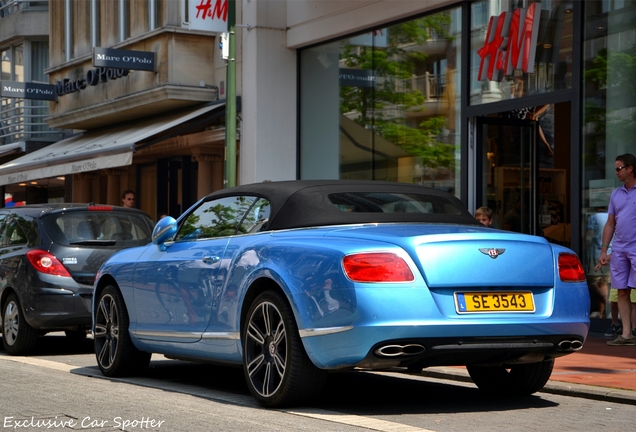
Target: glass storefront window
519 48
385 105
609 125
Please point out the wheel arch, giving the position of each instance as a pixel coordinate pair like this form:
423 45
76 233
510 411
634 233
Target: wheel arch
3 302
6 292
257 287
103 282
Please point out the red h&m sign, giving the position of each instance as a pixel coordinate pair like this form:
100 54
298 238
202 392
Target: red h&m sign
511 43
210 15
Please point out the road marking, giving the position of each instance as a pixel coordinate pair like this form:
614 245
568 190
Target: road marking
318 414
354 420
40 362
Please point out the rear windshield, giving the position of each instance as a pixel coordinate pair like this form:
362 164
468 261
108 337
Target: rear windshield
122 229
374 202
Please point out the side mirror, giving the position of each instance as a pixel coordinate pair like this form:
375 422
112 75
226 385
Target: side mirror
165 230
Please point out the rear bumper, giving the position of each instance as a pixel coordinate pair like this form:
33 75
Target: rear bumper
380 348
60 311
392 314
57 303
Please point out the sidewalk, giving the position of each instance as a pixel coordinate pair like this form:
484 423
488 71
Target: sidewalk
598 371
598 364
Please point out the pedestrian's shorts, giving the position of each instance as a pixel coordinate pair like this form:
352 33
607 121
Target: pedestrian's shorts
623 269
613 295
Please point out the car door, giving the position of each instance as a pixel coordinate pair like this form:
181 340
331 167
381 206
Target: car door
175 289
239 259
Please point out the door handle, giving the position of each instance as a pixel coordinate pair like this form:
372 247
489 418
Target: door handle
210 259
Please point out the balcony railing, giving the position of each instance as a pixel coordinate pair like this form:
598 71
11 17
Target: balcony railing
8 7
23 120
430 85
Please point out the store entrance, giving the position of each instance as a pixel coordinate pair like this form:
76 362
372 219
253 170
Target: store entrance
523 165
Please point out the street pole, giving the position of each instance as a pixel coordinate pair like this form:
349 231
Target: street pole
230 103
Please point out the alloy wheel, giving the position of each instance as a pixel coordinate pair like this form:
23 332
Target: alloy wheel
19 338
106 331
266 349
11 323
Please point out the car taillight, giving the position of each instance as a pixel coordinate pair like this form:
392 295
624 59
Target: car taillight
570 268
100 208
377 267
45 262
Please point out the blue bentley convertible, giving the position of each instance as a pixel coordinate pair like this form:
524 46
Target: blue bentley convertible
293 280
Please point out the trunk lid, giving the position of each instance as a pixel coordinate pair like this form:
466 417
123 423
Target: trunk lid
451 256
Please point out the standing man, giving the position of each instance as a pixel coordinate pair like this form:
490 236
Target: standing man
621 224
128 198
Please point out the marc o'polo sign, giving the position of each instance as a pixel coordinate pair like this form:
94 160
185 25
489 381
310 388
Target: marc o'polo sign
124 59
27 90
357 77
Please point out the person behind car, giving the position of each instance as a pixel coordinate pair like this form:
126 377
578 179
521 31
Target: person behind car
128 198
484 215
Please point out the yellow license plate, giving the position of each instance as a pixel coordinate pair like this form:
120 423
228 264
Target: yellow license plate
474 302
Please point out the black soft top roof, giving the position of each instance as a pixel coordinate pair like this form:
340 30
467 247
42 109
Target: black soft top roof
305 203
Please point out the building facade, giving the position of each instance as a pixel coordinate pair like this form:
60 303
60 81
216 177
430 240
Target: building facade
24 56
515 104
157 132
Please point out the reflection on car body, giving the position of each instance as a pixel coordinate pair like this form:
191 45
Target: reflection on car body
295 279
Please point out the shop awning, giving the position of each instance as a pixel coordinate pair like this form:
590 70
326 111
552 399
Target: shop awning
95 150
9 149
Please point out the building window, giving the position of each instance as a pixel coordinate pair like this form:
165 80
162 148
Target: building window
18 63
68 29
609 124
12 110
384 105
514 63
5 62
152 14
124 19
94 23
39 109
185 12
23 119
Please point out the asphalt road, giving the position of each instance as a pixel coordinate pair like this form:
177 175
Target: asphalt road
61 387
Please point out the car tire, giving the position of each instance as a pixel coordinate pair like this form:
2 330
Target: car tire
277 369
18 337
116 355
515 380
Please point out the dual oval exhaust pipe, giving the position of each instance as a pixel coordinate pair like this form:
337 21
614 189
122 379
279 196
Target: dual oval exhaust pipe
399 350
570 345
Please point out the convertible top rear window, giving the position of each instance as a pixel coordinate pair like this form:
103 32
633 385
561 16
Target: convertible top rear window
387 202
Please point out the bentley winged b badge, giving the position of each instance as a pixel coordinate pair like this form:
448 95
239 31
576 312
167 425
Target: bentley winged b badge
492 252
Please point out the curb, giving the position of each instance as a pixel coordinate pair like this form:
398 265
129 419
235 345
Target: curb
553 387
